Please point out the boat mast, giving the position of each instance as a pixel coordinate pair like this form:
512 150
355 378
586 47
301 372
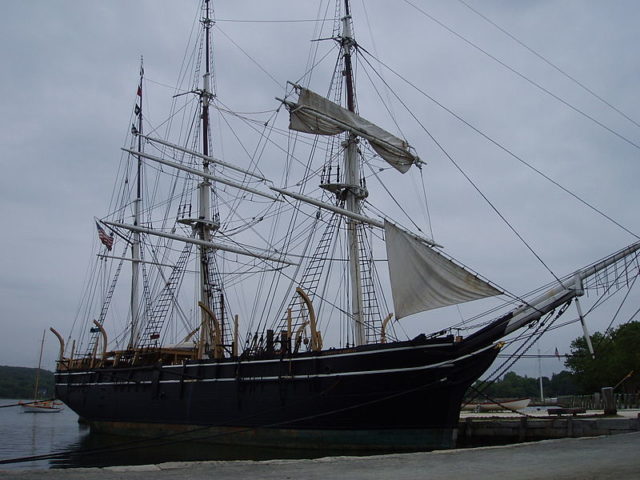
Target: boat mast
205 224
35 392
354 191
137 203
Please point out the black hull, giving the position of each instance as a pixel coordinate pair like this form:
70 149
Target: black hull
399 396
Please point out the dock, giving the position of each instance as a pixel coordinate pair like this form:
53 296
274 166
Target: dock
510 427
604 457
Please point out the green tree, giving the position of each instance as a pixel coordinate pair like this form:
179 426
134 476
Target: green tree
19 382
617 353
512 385
561 383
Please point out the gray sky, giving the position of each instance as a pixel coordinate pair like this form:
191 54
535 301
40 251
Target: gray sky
69 70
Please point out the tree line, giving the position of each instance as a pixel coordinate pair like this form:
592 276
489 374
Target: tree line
616 364
19 383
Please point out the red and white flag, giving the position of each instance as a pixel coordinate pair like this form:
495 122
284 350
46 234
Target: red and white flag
107 240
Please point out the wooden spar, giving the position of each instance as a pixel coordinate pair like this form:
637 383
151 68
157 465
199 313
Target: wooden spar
208 158
343 211
569 288
333 208
195 171
196 241
127 259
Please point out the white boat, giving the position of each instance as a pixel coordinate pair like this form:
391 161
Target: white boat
515 404
41 406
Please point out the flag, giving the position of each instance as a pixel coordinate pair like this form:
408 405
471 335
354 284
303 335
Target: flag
557 353
139 92
137 110
107 240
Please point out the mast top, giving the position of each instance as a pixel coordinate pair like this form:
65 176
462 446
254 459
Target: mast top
347 42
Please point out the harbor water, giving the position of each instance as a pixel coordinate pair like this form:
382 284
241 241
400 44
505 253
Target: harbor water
28 435
33 434
58 440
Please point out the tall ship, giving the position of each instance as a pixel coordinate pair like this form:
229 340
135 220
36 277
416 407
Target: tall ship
242 306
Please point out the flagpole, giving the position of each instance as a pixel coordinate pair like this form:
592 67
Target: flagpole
540 375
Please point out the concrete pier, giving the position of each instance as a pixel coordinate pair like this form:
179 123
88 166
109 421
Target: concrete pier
500 429
605 457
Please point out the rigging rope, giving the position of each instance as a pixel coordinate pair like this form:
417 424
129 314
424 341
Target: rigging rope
480 192
527 79
277 82
551 64
502 147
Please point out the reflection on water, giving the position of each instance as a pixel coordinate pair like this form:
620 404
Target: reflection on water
118 450
32 434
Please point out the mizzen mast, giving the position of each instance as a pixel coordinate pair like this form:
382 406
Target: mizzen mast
137 204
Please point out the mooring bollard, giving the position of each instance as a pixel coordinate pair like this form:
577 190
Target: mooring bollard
608 401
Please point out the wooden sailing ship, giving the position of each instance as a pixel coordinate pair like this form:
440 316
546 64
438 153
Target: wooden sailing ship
285 378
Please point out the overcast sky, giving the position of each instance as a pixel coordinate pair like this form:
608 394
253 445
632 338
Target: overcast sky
68 75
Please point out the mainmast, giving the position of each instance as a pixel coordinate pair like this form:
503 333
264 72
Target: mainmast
354 191
137 203
317 115
205 223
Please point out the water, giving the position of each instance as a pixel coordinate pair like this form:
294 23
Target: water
32 434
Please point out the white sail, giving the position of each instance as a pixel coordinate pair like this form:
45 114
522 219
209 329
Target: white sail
422 279
315 114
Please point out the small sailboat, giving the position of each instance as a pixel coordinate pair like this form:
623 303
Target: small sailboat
36 405
263 310
41 406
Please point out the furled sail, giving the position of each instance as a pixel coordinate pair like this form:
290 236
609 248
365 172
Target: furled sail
422 279
315 114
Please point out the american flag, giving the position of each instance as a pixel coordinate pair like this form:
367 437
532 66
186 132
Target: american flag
107 240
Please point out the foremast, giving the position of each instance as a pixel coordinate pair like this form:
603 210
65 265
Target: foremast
205 224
